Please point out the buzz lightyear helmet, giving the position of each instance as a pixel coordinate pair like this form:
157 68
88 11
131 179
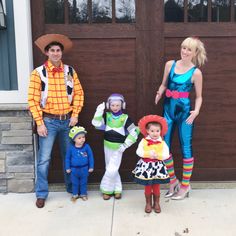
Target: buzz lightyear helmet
116 97
75 131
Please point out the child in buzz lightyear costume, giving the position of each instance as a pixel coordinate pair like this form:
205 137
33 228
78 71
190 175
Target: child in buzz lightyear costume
79 162
120 133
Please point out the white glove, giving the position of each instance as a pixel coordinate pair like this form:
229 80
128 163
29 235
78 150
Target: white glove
101 107
122 148
100 110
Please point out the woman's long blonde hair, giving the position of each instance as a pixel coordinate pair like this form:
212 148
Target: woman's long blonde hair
196 45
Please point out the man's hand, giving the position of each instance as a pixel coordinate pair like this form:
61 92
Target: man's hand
68 171
73 121
90 170
42 130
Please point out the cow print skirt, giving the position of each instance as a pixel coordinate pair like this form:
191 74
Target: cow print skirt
149 173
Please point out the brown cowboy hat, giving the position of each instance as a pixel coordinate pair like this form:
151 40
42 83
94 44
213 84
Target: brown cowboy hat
152 118
46 39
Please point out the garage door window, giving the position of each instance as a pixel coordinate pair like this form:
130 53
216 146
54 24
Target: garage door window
89 11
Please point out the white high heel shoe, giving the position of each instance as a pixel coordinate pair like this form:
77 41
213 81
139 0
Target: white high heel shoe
174 188
182 193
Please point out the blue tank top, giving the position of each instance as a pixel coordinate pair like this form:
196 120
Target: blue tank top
177 109
180 82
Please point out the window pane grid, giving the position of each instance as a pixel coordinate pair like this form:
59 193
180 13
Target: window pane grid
113 11
220 10
197 10
89 11
200 10
54 11
125 11
101 11
174 10
234 6
78 11
232 10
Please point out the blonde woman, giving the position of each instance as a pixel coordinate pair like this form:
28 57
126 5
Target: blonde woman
178 79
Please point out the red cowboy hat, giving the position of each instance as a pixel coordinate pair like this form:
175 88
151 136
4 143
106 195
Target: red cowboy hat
46 39
152 118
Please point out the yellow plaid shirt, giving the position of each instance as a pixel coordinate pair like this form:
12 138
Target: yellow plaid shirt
57 100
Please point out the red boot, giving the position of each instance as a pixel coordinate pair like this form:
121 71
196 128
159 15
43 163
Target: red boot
148 207
156 203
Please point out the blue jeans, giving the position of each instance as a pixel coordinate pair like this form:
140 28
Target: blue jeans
54 127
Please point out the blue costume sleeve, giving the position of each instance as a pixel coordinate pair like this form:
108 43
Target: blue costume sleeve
90 157
68 158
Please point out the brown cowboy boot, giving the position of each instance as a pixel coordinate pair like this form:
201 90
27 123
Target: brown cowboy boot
156 203
148 207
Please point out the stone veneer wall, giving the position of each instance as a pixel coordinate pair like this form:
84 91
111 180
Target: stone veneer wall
16 149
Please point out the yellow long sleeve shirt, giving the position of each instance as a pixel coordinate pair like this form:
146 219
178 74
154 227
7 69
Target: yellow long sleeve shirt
57 99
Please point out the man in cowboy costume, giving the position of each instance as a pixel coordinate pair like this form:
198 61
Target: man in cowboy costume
55 100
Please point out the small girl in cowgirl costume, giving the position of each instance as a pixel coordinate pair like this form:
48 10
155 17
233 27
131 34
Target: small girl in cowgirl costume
150 170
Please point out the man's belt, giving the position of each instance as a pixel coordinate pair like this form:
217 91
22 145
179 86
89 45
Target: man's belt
58 117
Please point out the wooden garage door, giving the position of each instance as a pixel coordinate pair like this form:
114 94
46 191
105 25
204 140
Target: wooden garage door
111 53
214 22
127 55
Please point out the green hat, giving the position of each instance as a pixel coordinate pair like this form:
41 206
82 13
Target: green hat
75 131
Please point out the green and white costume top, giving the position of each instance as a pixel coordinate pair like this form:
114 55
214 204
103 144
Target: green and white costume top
118 129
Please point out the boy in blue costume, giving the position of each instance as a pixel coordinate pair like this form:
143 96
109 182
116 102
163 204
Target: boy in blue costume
79 162
120 133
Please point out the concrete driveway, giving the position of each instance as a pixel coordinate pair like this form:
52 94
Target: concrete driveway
207 212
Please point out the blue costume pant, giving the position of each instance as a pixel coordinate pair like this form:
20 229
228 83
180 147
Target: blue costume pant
177 117
79 179
177 109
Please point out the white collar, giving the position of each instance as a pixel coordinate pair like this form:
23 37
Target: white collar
149 138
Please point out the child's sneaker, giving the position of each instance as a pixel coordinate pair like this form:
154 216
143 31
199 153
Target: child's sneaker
84 198
117 195
74 198
106 196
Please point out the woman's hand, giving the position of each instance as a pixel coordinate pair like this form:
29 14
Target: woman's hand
163 86
191 118
157 98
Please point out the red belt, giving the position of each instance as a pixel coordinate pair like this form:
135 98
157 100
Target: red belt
58 117
150 160
176 94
